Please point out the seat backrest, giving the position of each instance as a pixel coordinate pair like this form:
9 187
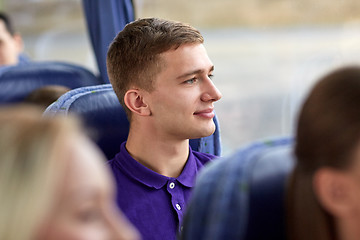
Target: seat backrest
101 111
242 196
17 82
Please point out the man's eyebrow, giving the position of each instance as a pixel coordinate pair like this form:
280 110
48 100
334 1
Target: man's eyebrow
194 72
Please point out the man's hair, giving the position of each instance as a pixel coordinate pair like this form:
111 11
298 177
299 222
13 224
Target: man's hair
133 58
7 21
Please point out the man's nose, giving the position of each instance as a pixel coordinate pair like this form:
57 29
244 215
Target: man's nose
211 93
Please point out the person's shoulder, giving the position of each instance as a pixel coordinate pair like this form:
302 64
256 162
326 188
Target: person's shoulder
122 154
112 165
110 162
117 168
204 157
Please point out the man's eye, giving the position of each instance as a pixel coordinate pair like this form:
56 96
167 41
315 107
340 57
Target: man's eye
210 76
191 81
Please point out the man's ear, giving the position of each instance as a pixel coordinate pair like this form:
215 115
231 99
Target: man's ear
333 191
134 100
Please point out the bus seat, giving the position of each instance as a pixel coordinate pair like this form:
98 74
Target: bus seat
17 82
242 196
101 111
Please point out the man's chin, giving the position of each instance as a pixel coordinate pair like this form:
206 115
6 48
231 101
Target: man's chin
203 133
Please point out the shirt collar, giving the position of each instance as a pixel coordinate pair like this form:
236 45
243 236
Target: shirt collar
146 176
188 174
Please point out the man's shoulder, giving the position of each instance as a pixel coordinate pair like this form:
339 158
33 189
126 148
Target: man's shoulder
114 166
120 171
117 162
122 154
204 157
110 162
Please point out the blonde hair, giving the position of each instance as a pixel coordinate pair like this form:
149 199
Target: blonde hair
30 167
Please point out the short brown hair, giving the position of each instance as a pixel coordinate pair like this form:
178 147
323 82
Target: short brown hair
44 96
133 56
328 133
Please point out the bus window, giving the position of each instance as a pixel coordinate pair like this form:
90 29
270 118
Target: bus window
267 54
52 30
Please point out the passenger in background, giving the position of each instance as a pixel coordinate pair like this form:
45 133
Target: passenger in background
46 95
324 192
53 182
11 43
161 74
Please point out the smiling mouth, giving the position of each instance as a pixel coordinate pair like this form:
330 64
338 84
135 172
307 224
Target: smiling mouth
207 113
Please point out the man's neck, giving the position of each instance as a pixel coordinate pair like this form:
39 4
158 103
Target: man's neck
164 156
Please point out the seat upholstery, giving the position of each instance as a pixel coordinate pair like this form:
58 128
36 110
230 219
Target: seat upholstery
101 111
242 196
17 82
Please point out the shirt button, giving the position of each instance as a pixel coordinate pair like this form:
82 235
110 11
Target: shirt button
172 185
178 207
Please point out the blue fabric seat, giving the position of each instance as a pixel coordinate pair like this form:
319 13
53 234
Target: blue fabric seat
101 111
242 196
17 82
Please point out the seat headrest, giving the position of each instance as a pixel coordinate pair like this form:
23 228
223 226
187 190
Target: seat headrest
17 82
101 111
242 196
270 169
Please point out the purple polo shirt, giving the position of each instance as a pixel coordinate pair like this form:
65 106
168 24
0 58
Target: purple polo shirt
154 203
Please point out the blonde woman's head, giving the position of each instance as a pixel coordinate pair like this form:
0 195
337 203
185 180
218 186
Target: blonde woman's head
53 181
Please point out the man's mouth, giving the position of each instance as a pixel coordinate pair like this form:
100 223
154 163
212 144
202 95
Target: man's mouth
206 113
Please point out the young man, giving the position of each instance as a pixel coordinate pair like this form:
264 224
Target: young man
161 74
11 44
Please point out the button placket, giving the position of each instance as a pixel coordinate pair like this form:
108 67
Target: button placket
172 186
176 191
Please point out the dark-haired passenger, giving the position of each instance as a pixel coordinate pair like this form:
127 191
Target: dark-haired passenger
45 96
324 192
11 43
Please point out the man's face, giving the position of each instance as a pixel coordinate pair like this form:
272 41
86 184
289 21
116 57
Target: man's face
181 104
10 46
